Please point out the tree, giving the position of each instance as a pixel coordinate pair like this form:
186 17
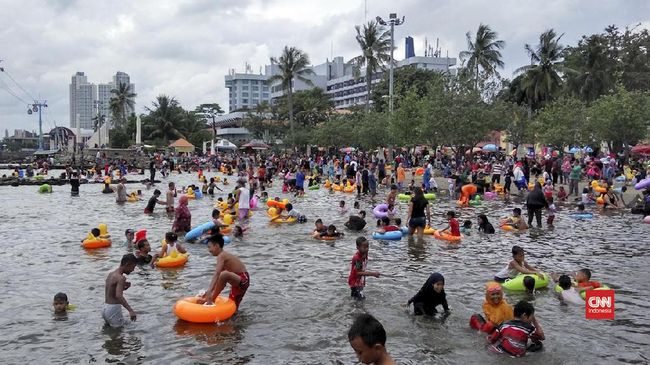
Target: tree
310 107
542 78
293 64
211 110
595 65
120 102
562 123
621 119
375 45
165 119
518 127
483 54
406 79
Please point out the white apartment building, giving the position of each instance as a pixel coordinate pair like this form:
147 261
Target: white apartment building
319 77
247 90
86 97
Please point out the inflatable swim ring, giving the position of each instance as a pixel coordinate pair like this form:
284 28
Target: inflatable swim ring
430 196
327 184
91 243
337 187
429 230
381 210
583 293
326 238
490 195
174 260
132 198
189 310
508 227
388 236
103 231
645 183
517 284
419 171
446 236
646 219
349 189
404 197
45 188
280 219
600 200
585 215
197 231
314 187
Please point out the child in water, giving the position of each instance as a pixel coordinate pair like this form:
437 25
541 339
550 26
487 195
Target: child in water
342 208
512 336
130 235
466 229
331 232
368 339
61 305
169 245
452 227
358 273
430 296
551 210
569 294
94 234
484 225
385 226
515 267
320 228
562 194
515 220
300 218
495 308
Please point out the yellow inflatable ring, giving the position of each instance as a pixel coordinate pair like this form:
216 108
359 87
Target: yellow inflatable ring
173 260
429 230
189 310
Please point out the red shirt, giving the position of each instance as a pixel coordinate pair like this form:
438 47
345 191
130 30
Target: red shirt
391 228
358 264
594 284
453 225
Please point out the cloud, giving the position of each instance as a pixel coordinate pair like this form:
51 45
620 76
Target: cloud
184 49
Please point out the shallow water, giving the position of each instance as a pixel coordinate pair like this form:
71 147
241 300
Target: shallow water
298 310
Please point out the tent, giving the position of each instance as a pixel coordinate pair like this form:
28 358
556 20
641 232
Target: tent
182 145
224 144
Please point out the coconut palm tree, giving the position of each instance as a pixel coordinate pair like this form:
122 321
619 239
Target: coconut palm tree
484 52
293 64
166 119
121 101
374 42
543 77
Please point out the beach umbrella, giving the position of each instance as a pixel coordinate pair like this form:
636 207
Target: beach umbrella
574 150
490 148
641 149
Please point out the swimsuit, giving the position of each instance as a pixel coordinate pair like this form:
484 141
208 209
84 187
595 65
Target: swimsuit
112 314
237 292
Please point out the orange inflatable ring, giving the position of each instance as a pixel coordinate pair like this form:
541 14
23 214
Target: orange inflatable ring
508 227
173 260
446 236
419 171
225 230
600 200
326 238
189 310
337 187
349 189
96 243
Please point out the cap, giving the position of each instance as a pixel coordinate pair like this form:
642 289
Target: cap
141 235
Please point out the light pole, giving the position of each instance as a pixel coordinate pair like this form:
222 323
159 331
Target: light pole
393 21
38 107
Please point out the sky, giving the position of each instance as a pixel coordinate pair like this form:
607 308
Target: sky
184 48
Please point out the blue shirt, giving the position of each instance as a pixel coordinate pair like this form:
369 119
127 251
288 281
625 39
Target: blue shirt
300 179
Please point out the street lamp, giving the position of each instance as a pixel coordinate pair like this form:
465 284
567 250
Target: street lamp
393 21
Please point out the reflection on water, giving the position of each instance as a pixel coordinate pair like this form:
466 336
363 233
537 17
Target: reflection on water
298 308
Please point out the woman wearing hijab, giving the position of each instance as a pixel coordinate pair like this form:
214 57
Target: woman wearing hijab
495 308
534 203
183 217
430 296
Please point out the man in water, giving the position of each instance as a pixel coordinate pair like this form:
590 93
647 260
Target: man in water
171 193
116 284
121 191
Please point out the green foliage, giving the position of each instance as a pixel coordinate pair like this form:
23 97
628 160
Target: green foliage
406 79
121 101
483 55
310 107
621 119
563 123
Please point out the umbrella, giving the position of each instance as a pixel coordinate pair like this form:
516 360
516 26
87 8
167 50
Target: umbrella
574 150
588 149
490 147
641 149
347 149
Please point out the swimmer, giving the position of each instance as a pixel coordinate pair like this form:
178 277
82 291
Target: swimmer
386 226
358 273
332 232
515 267
569 294
142 252
466 228
169 245
512 336
431 295
60 304
94 234
368 339
515 220
130 235
452 227
114 299
230 270
495 308
342 208
320 228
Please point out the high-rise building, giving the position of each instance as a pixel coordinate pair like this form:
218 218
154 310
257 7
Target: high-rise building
409 49
247 90
82 100
86 98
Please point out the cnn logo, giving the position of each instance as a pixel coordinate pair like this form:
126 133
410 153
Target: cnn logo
599 304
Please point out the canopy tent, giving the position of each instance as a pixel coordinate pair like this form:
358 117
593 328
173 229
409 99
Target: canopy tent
255 145
224 144
641 149
182 145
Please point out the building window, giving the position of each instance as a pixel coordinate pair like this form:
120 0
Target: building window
265 95
244 88
244 101
244 95
256 88
265 88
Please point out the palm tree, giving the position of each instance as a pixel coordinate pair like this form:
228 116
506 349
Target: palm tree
483 52
374 42
121 101
293 64
166 119
543 77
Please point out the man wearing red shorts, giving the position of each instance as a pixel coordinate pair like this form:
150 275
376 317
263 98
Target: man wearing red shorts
229 270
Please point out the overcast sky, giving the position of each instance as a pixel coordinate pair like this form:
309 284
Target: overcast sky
184 48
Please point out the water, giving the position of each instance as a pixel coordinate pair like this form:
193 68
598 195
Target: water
298 310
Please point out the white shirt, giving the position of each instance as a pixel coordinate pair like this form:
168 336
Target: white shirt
572 296
244 198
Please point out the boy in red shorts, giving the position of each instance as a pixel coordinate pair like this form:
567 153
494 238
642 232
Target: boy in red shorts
230 270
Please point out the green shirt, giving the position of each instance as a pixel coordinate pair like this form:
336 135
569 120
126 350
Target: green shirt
576 171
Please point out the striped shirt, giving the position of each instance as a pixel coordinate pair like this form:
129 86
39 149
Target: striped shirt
512 337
